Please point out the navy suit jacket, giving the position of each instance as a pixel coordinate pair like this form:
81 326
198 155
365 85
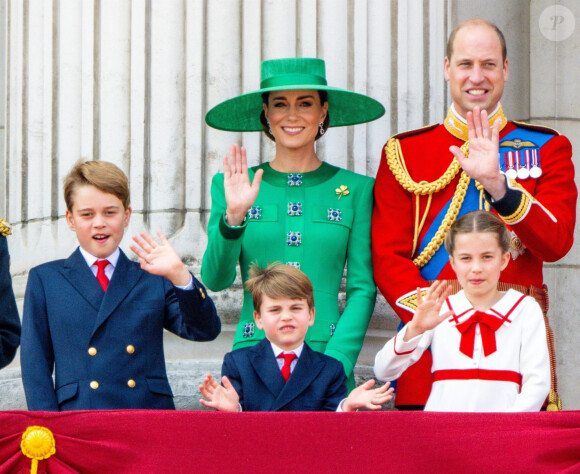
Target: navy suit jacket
317 383
9 319
106 349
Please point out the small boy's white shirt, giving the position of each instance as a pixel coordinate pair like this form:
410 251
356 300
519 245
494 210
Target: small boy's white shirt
110 269
277 351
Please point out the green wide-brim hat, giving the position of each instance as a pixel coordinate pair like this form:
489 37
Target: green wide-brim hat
242 113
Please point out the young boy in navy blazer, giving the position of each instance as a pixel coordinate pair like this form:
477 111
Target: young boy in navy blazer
104 339
281 373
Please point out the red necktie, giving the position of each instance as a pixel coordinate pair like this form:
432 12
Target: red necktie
101 276
487 324
288 358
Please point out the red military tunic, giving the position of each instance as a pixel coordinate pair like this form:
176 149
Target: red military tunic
540 211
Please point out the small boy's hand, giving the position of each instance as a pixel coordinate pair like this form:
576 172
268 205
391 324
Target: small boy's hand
427 315
364 396
160 259
222 398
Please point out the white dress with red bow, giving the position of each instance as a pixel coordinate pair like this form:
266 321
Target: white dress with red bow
495 361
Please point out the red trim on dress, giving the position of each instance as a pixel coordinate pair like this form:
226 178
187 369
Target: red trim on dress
400 353
513 307
481 374
455 318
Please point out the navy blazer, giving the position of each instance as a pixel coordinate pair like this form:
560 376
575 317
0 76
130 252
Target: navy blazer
9 319
106 349
317 383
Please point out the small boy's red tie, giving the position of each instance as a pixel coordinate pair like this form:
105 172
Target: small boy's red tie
101 276
288 358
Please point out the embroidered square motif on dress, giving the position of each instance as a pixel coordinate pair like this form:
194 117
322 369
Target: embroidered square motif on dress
248 329
334 215
294 239
294 208
294 179
255 212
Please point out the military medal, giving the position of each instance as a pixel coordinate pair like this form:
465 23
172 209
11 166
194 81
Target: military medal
510 165
535 171
523 165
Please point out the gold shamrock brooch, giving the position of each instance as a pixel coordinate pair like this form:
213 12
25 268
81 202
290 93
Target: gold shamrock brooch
342 191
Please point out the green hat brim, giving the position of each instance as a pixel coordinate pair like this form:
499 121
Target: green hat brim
242 113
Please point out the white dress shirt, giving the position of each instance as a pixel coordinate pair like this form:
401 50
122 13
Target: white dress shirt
110 269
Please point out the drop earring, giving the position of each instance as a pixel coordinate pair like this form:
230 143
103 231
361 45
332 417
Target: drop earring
321 128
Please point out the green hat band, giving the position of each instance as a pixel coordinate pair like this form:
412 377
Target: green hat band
292 79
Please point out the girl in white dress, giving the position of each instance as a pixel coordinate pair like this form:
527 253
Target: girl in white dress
489 347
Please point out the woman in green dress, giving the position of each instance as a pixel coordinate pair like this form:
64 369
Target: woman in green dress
296 209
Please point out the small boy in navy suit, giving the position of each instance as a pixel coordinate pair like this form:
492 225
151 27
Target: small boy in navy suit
281 373
96 319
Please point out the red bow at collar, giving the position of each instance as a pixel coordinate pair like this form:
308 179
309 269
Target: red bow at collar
488 325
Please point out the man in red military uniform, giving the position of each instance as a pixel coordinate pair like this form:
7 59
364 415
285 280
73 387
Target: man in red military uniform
425 181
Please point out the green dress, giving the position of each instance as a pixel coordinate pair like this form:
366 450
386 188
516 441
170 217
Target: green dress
317 221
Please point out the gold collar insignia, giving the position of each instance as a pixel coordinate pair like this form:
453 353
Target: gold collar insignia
457 125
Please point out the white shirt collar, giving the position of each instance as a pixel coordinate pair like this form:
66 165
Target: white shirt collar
91 259
278 351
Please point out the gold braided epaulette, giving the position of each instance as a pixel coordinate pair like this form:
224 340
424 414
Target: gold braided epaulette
5 228
399 169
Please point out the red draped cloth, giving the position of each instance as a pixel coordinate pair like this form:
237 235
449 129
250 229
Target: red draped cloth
180 441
